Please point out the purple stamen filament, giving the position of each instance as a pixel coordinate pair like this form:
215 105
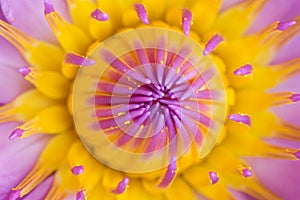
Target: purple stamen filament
169 175
76 170
75 59
213 176
212 44
16 133
99 15
80 195
24 71
246 173
186 21
282 26
244 70
295 97
240 118
121 186
142 13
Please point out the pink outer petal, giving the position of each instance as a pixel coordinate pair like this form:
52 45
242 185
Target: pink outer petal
9 55
11 84
40 191
276 10
28 16
229 3
280 176
2 16
291 112
17 157
289 51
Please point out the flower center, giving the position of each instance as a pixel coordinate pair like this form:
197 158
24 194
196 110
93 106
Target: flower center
150 98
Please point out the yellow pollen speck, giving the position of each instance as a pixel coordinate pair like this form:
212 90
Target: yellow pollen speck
127 122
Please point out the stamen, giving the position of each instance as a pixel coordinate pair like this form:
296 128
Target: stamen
121 186
14 195
67 33
80 195
16 133
169 175
247 173
48 7
142 13
34 51
47 121
212 44
186 21
50 83
76 170
240 118
244 70
282 26
99 15
213 176
24 71
75 59
295 97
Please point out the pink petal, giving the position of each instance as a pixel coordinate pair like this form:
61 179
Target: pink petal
17 157
41 190
290 112
9 55
1 15
28 16
289 51
280 176
229 3
11 84
276 10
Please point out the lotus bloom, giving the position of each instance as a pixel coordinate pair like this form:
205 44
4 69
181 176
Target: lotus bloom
149 99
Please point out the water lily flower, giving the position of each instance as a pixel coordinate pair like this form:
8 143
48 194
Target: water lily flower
149 99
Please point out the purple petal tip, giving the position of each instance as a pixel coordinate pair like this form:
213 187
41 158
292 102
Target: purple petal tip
24 71
246 173
14 195
240 118
48 7
212 44
282 26
244 70
80 195
99 15
295 97
213 176
16 133
141 12
79 60
77 170
121 186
